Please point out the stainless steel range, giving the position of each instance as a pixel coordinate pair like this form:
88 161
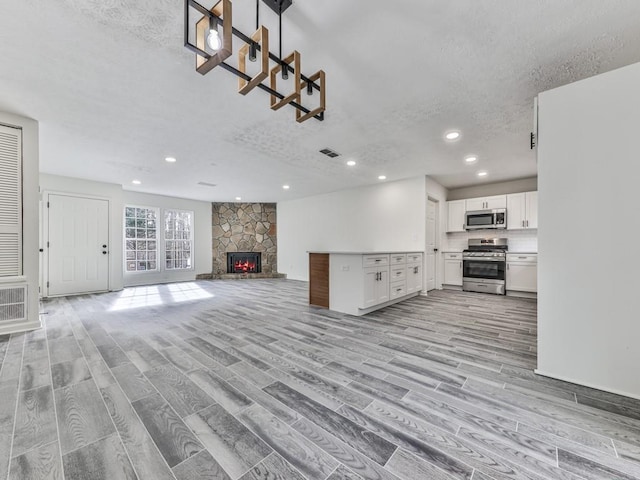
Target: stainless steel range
484 265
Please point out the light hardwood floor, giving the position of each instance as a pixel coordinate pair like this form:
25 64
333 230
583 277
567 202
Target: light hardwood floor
243 380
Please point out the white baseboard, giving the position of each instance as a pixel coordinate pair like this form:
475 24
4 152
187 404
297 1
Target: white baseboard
587 384
20 327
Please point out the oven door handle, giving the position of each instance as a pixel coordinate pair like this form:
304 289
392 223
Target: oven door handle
483 259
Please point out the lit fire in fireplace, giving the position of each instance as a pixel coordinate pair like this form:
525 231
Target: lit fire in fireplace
244 262
244 266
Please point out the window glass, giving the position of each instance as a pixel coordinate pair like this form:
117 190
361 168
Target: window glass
178 234
139 227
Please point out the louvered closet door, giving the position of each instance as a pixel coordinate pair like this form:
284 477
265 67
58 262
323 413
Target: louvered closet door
10 201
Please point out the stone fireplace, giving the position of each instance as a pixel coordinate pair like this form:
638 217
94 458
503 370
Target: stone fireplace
244 228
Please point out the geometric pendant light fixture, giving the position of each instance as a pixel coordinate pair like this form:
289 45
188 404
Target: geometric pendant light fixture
209 33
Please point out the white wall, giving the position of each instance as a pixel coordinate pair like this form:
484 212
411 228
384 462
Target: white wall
588 287
520 241
499 188
30 213
383 217
118 198
202 254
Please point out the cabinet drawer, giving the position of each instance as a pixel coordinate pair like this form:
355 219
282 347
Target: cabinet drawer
375 260
398 289
398 273
453 256
414 258
398 259
514 257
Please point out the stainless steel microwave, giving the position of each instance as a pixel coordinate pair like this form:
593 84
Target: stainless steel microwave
483 219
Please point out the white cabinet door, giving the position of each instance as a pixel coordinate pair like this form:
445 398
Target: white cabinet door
516 211
522 211
453 272
383 286
475 204
522 277
496 201
414 278
455 218
532 209
376 286
371 276
487 203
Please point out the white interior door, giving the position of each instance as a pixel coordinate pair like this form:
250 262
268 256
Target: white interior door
78 241
431 245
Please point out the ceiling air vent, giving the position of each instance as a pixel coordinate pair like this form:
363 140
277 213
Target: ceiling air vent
207 184
329 153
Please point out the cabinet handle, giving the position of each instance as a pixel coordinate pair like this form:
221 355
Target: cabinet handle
507 266
527 223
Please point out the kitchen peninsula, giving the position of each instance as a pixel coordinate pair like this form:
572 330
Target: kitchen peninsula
358 283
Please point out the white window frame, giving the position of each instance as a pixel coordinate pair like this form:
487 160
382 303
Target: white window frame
159 235
165 239
161 251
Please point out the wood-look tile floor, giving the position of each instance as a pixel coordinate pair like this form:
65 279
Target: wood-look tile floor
243 380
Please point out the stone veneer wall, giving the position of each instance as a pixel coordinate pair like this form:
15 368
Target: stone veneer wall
244 227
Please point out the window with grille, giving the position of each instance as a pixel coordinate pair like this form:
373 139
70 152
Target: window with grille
141 240
178 239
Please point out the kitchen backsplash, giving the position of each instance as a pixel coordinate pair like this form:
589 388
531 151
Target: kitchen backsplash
519 240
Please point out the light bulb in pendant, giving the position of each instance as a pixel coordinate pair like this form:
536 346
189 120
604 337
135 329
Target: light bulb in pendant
213 40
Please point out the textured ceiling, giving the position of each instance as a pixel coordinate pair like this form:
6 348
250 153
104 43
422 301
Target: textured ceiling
115 91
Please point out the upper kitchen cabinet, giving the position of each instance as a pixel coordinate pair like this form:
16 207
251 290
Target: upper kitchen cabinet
455 215
486 203
522 211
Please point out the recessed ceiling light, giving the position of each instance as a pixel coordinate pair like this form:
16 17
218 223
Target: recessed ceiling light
351 163
238 199
453 135
382 177
286 187
171 159
136 182
482 174
471 159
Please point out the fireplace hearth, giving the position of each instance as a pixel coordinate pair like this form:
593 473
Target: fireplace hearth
244 262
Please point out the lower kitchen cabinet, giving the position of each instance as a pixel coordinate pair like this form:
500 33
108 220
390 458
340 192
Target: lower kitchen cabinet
414 277
376 286
453 269
522 273
359 283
